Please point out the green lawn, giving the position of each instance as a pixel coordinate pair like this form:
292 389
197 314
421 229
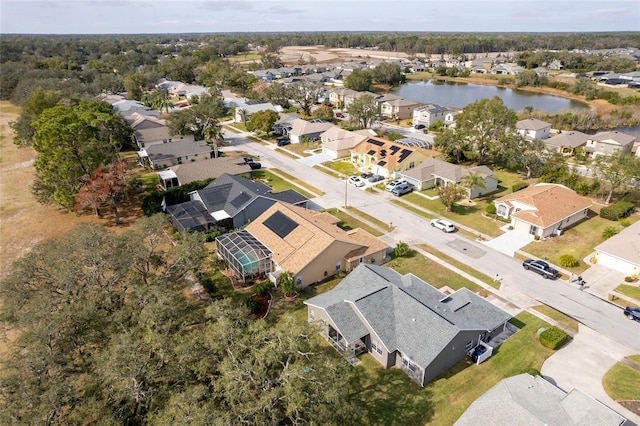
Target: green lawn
368 218
346 168
564 320
391 398
348 222
432 272
329 172
632 291
622 383
276 182
578 241
635 359
297 181
461 265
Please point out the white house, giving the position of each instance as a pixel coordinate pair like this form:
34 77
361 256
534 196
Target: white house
622 251
532 128
606 143
429 114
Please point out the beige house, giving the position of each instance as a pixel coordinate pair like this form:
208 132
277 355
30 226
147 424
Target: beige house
532 128
622 251
400 109
429 114
338 142
543 210
606 143
309 130
566 143
388 158
310 245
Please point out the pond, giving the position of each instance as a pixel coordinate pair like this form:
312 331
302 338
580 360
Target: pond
459 95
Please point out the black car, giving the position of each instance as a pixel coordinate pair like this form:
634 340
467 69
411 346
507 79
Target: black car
247 160
254 165
419 126
540 267
632 313
366 175
282 141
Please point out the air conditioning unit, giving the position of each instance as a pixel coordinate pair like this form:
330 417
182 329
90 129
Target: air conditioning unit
557 232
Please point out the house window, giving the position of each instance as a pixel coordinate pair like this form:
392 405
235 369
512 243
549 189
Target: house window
186 158
338 265
312 314
179 160
361 259
502 210
298 281
411 165
533 230
408 363
469 346
375 347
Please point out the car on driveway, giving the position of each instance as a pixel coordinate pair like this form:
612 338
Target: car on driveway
443 225
632 313
283 141
375 178
356 181
403 188
254 165
393 184
366 175
542 268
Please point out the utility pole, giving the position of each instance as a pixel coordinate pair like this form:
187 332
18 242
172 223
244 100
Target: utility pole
345 192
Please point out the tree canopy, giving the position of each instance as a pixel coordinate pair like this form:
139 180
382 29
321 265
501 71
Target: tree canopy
363 110
206 110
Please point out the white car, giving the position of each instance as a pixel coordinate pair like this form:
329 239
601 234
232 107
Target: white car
356 181
393 184
443 225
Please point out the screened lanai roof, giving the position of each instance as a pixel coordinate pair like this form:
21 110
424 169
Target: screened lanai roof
243 253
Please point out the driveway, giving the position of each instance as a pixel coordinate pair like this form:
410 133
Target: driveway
602 280
583 362
509 242
315 159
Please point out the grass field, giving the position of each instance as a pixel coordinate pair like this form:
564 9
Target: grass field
348 221
564 320
346 168
461 265
300 183
622 383
632 291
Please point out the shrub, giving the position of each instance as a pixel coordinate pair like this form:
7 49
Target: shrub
518 186
628 279
553 338
624 222
609 232
263 289
211 236
537 238
252 304
491 208
568 261
616 211
401 250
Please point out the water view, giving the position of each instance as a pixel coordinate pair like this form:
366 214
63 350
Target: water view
459 95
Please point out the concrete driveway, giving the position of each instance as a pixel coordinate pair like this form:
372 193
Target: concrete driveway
509 242
315 159
582 364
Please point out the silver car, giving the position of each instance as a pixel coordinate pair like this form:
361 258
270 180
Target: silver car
443 225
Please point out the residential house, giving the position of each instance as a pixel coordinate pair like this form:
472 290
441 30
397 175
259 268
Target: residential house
403 321
450 119
542 72
150 130
555 65
566 143
303 130
184 173
229 202
387 158
250 109
507 68
531 400
310 245
160 156
399 109
622 251
338 143
349 98
532 128
606 143
543 210
126 107
429 114
433 172
283 125
337 96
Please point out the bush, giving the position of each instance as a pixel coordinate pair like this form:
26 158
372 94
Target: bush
553 338
401 249
628 279
609 232
490 209
152 200
211 236
568 261
518 186
251 304
624 222
263 289
616 211
537 238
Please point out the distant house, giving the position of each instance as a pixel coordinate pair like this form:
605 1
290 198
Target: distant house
150 130
249 110
403 321
531 400
301 130
506 68
606 143
337 96
182 174
310 245
399 109
126 107
566 143
387 158
429 114
338 143
450 119
229 202
283 125
160 156
543 209
532 128
622 251
555 65
433 172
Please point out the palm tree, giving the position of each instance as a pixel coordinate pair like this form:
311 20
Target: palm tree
471 180
244 115
213 134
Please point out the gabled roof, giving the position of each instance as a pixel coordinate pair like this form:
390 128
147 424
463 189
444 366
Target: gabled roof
433 108
301 127
210 168
387 154
572 139
529 400
625 245
296 236
401 102
338 139
407 314
613 137
532 124
179 148
545 204
433 167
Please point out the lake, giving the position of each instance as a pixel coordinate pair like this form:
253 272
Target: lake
459 95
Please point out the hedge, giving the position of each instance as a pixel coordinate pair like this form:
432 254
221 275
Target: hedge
518 186
616 211
553 338
152 200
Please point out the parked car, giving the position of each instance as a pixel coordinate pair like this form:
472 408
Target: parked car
247 160
375 178
540 267
403 188
393 184
419 127
366 175
632 313
356 181
443 225
254 165
282 141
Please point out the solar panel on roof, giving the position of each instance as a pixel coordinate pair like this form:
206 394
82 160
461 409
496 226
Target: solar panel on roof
405 153
376 142
382 163
394 149
371 152
280 224
240 200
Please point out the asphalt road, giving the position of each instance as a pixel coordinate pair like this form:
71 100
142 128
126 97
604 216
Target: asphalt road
589 310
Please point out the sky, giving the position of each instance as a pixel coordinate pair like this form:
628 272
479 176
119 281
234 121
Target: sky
214 16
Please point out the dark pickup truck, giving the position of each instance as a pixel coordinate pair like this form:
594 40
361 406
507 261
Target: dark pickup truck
541 268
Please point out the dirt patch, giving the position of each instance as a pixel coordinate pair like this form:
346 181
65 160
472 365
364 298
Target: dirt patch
633 406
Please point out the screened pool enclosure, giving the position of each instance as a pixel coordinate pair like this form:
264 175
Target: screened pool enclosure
245 255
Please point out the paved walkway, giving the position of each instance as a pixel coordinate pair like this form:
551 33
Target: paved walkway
583 363
509 242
